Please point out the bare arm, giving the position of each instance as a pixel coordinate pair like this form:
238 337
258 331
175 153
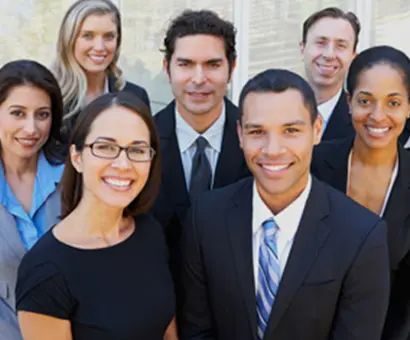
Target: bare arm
171 333
38 326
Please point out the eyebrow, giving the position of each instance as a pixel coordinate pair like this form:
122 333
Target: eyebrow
210 61
327 38
292 123
394 94
16 106
113 140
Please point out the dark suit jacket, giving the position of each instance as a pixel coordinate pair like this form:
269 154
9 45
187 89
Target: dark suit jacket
330 163
68 124
405 135
340 123
335 284
173 200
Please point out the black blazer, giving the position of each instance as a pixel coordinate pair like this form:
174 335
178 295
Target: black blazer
173 200
330 164
328 290
405 135
340 123
68 124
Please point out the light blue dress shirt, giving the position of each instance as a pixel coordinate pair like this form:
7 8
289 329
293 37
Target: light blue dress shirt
32 225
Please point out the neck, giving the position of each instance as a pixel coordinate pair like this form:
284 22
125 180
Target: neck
18 166
200 123
95 83
99 220
324 94
386 156
279 202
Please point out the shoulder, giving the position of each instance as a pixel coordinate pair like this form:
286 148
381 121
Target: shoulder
231 109
138 91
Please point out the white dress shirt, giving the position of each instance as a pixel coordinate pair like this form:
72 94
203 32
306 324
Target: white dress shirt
187 136
326 109
287 222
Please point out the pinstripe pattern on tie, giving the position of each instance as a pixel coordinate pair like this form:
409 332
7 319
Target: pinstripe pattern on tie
268 276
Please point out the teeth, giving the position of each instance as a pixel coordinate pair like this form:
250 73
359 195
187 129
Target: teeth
118 183
97 58
27 142
378 130
275 167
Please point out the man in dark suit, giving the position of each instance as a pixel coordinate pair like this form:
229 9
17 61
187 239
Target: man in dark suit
282 256
329 42
199 143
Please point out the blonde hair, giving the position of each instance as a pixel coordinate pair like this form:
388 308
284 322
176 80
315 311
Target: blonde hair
69 74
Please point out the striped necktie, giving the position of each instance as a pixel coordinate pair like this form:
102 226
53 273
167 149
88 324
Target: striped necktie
268 276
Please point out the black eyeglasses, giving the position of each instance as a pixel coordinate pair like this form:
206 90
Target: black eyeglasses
135 153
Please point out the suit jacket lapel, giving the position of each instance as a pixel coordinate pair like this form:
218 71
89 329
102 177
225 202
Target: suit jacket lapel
173 177
340 123
231 159
337 164
239 224
397 208
309 239
10 233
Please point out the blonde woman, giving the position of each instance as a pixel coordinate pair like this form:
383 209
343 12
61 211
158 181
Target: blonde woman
88 49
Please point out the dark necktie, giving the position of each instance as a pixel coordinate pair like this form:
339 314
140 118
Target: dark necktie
201 174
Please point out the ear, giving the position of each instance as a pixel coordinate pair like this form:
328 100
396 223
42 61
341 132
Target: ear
301 47
317 129
165 66
232 70
240 132
76 159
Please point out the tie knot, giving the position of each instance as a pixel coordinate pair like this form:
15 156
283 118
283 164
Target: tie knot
201 143
270 227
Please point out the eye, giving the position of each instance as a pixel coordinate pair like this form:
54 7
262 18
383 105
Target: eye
137 150
17 113
394 103
105 147
87 36
291 130
363 101
110 36
341 46
182 64
43 115
215 65
255 132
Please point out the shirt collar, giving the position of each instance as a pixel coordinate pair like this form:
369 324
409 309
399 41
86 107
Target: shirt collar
287 220
187 136
106 86
325 109
48 175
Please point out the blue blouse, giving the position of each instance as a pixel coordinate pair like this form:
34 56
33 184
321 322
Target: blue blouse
32 225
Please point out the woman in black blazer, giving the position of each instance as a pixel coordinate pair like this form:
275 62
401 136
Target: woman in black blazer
372 168
88 50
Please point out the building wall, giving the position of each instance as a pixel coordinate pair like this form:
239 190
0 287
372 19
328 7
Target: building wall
269 32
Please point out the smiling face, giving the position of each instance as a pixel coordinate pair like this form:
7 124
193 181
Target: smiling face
277 137
327 52
25 121
199 74
379 106
96 43
113 182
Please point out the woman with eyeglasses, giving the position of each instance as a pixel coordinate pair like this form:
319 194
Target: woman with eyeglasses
86 63
373 168
102 272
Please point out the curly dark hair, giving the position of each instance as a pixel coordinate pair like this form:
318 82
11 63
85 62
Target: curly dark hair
201 22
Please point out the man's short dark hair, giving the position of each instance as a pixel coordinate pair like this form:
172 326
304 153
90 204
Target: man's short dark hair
277 81
201 22
335 13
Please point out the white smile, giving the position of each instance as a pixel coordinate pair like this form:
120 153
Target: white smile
275 168
118 184
97 59
377 131
27 142
326 69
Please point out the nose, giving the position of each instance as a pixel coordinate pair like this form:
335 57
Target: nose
99 44
273 145
378 113
122 161
198 77
329 51
30 126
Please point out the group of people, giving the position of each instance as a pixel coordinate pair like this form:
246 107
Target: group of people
287 217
